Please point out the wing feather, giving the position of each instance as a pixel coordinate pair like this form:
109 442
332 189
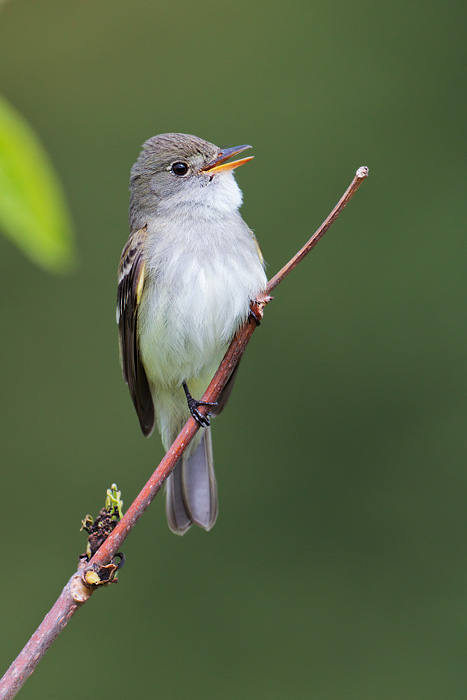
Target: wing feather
130 286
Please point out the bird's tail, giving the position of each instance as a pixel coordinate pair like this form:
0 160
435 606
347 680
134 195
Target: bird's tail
191 494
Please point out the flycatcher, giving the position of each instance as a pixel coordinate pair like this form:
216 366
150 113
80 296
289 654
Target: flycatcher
186 277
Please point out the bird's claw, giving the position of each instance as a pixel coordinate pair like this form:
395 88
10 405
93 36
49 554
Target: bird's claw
257 305
202 419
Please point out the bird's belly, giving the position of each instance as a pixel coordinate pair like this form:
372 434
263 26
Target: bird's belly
186 320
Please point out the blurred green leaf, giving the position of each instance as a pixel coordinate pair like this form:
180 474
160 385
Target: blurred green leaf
33 211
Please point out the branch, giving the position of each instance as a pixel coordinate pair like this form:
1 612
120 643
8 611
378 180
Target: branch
82 584
360 176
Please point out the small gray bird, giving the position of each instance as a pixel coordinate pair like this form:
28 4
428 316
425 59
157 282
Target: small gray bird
186 277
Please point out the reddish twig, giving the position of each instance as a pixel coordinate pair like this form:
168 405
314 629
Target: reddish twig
360 176
78 589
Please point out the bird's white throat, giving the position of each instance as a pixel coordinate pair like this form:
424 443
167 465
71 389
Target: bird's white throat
206 197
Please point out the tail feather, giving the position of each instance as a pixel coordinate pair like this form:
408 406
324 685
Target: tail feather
177 516
192 490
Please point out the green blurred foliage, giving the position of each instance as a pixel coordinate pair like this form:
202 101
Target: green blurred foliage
32 208
336 569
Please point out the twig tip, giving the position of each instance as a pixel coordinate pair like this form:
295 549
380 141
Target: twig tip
362 172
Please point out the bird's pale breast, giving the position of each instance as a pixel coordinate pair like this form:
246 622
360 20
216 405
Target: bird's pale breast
199 283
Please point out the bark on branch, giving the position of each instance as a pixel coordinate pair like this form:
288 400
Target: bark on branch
78 589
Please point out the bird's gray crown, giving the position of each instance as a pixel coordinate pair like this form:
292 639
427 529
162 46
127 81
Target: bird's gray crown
159 152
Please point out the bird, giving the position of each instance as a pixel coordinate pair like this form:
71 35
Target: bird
187 274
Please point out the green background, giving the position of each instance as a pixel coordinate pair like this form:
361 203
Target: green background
336 570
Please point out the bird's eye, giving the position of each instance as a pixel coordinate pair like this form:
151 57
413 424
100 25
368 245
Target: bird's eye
179 168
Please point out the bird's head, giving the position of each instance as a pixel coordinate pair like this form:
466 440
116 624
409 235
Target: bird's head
179 170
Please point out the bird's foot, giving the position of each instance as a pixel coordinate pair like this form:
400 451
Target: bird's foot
202 419
257 305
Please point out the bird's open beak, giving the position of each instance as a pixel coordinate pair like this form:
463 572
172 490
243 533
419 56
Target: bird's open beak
219 165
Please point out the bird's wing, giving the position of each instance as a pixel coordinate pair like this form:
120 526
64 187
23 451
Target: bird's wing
130 286
225 393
